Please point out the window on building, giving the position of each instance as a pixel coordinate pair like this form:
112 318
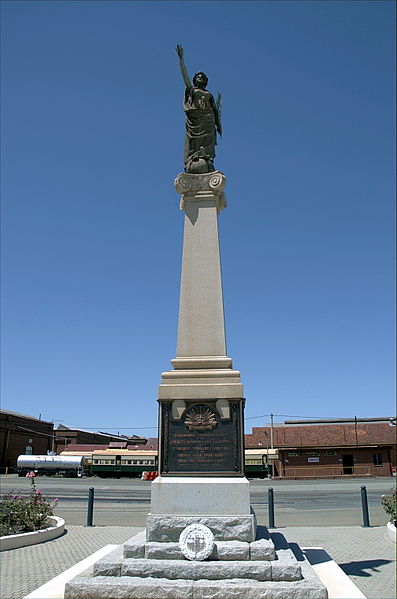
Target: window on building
378 460
28 450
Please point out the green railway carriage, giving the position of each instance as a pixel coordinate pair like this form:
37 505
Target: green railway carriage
256 463
117 463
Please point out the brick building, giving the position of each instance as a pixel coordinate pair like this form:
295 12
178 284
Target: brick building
64 436
330 448
22 434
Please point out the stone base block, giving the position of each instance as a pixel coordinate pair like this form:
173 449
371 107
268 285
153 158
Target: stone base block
285 571
260 550
196 495
231 550
190 570
175 569
110 565
194 570
155 550
103 587
224 528
135 547
223 550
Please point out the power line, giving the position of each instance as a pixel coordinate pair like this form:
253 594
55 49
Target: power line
140 428
109 428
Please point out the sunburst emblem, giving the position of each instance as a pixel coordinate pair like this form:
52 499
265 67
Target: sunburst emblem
201 419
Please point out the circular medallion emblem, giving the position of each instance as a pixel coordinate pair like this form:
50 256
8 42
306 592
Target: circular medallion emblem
196 542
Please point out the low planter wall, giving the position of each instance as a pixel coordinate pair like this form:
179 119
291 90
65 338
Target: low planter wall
391 531
56 529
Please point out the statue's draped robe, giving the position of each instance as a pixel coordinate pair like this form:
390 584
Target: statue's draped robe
200 140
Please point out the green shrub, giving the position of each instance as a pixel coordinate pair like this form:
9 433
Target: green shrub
20 514
389 504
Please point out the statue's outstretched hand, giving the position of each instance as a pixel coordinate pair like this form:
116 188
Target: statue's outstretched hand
179 51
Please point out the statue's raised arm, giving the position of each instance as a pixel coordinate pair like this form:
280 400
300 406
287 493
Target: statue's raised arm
179 51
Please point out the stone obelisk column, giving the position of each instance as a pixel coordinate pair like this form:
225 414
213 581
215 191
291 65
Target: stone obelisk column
201 450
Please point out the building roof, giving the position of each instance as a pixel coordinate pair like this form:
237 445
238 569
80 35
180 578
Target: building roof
352 433
27 416
125 438
85 447
152 443
388 419
124 452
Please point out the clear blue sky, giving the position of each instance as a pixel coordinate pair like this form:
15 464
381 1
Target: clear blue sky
92 138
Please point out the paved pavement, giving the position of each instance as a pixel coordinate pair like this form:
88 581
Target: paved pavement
24 570
365 554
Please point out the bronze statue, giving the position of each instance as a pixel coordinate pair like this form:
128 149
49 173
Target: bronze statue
202 121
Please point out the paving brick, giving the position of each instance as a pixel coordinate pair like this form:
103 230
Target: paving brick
365 554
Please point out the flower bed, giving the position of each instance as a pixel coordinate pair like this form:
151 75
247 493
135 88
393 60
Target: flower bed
28 518
55 529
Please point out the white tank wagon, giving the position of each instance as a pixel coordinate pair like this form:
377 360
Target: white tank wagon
72 465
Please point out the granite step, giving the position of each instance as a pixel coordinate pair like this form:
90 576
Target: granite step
164 528
262 549
107 587
115 565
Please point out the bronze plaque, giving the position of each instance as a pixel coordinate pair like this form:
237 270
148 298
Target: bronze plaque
200 442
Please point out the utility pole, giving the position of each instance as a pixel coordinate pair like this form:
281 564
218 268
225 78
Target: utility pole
271 432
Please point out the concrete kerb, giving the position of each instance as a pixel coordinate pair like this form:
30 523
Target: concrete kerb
331 575
55 530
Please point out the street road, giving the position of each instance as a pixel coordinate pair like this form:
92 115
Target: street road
126 502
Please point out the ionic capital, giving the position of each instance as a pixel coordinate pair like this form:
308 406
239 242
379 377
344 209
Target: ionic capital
208 186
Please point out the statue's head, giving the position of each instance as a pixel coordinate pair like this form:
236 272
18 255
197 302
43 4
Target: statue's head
200 80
